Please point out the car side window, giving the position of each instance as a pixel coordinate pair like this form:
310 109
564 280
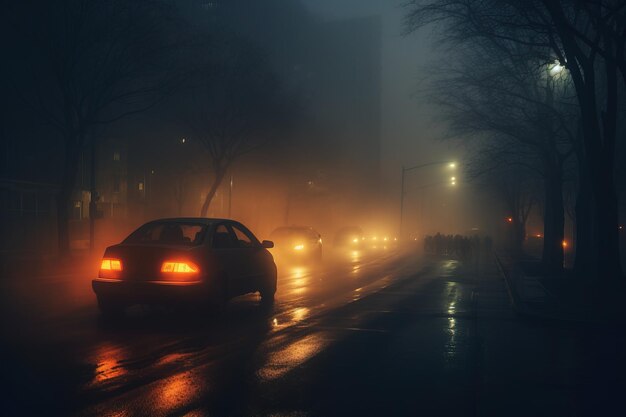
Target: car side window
223 238
244 237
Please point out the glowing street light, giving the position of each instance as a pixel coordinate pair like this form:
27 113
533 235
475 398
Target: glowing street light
450 164
556 68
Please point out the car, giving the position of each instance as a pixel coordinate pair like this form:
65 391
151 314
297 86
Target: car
350 237
297 244
185 261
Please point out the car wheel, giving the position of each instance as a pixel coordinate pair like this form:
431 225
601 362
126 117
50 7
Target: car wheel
218 298
269 290
110 308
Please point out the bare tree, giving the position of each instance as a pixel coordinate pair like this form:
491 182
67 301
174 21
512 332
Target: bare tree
237 107
79 65
515 109
586 37
512 172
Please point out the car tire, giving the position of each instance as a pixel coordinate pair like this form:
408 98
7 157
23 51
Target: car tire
218 298
269 289
110 308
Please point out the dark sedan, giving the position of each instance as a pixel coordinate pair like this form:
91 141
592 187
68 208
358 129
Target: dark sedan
185 261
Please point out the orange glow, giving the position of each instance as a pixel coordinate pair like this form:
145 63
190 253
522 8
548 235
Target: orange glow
538 235
173 393
109 360
564 243
295 354
298 247
509 219
177 267
111 264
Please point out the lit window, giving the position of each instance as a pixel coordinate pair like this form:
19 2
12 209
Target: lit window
140 186
116 156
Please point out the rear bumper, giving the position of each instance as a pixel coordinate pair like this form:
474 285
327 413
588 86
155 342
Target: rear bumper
150 292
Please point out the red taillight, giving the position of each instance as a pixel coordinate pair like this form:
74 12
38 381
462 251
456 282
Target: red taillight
178 267
110 268
109 264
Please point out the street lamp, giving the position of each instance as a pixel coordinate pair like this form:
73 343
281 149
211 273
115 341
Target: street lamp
451 165
556 68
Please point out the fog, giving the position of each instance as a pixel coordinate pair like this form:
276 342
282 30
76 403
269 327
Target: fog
311 113
203 201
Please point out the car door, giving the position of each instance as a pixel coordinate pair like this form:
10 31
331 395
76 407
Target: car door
252 258
226 248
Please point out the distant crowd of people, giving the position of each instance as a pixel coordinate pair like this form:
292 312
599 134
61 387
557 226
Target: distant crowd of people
457 245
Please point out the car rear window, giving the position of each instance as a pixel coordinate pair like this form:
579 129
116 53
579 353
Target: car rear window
169 233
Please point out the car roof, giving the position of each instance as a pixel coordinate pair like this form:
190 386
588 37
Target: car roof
350 229
203 220
296 228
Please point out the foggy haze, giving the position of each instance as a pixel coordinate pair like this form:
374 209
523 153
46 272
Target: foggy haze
313 207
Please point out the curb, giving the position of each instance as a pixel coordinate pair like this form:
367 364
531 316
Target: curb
522 309
516 302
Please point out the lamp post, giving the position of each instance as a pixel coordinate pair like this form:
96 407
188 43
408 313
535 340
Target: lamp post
451 165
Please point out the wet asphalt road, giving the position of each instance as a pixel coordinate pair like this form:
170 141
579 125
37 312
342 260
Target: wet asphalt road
383 333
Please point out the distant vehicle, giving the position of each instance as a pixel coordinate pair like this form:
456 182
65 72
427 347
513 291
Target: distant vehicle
297 243
380 241
349 237
197 261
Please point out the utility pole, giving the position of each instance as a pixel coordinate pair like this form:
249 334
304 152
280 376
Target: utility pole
230 197
452 165
93 208
401 202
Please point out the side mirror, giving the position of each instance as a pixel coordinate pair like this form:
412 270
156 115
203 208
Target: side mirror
267 244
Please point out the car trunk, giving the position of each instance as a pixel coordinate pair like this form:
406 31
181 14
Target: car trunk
143 263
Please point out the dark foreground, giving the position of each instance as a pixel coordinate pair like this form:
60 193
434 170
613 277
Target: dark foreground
375 334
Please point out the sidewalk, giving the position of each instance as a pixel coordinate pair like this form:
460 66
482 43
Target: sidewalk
532 297
447 343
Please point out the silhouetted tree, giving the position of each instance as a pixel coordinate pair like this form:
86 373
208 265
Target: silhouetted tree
588 38
513 174
523 109
237 105
82 64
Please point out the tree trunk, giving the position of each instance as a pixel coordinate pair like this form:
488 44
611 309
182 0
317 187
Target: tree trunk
584 254
64 199
553 218
219 176
519 235
606 225
63 223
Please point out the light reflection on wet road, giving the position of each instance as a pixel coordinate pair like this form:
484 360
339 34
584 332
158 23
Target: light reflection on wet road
404 334
280 340
147 361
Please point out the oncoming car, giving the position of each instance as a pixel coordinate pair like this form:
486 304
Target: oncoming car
349 237
297 243
185 261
